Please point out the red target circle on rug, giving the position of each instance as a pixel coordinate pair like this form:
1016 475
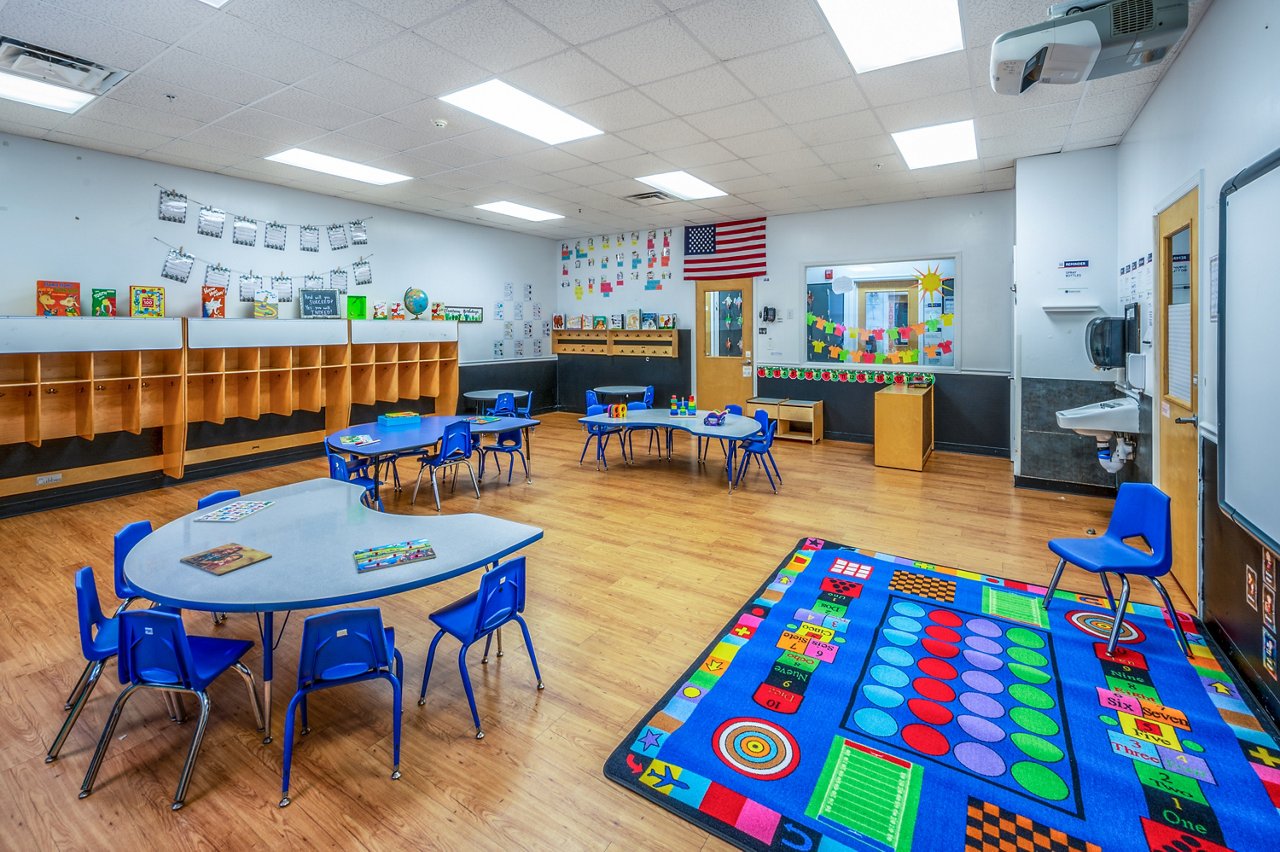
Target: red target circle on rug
756 748
929 711
945 618
940 649
945 634
934 667
925 740
935 690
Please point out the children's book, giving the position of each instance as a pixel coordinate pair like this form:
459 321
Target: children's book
483 420
146 301
357 440
387 555
232 512
599 323
575 321
615 321
104 303
213 301
265 305
633 319
648 321
557 321
57 298
357 307
379 310
397 311
225 558
666 320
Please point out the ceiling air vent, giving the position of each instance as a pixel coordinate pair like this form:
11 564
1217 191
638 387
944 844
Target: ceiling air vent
651 199
1131 16
39 63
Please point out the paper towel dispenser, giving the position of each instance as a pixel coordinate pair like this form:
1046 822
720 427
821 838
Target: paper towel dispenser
1105 341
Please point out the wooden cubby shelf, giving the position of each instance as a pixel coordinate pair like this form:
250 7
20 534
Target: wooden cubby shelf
653 343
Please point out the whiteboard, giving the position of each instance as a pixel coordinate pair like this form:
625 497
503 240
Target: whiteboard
1248 378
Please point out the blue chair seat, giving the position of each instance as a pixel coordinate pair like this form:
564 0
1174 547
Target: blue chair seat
212 655
458 617
107 641
1106 554
344 670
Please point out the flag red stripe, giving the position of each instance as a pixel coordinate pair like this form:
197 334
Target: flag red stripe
739 252
711 262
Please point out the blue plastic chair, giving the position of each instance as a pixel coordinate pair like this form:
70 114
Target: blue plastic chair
338 470
528 406
648 396
156 653
455 449
600 433
125 541
1141 511
504 406
761 450
499 600
592 399
510 444
631 430
339 648
99 640
204 503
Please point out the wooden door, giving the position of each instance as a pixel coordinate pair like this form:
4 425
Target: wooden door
724 362
1177 296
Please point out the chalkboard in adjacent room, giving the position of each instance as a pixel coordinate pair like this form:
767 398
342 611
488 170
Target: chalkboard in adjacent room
319 304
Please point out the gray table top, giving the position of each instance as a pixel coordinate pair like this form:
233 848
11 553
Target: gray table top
492 395
620 390
311 533
735 428
428 430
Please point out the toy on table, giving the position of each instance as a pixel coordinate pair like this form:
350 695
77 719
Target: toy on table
394 419
715 418
225 558
232 512
400 553
483 420
674 407
617 410
357 440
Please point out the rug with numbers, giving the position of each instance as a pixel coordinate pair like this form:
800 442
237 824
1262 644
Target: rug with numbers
865 701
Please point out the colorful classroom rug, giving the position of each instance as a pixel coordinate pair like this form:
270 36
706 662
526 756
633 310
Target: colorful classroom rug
865 701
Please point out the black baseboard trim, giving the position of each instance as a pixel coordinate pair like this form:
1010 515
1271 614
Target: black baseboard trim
240 464
1261 703
1063 487
973 450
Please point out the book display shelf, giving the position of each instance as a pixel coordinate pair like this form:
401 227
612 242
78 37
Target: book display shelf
88 377
653 343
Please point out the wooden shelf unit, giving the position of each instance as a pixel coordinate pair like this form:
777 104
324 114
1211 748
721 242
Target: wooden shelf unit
798 419
653 343
904 426
404 360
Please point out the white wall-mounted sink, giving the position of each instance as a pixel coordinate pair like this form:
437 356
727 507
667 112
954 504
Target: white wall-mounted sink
1102 419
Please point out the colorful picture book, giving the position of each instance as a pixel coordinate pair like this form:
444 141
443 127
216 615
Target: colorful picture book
557 321
232 512
57 298
357 307
575 321
615 321
483 420
103 303
213 301
225 558
265 304
633 319
379 310
387 555
649 321
146 301
666 320
357 440
599 323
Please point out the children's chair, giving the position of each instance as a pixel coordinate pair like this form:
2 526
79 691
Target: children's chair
631 430
511 444
761 450
528 405
99 640
338 470
204 503
505 406
455 449
600 433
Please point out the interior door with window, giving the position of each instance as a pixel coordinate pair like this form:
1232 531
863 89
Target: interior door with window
1177 289
723 333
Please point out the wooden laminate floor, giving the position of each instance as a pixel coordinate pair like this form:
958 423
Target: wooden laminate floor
639 567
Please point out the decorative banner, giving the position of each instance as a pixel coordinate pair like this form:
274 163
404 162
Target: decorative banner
338 237
244 231
177 266
876 377
274 236
309 238
210 222
173 206
359 233
455 313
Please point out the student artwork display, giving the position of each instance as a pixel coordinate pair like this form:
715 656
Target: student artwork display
57 298
173 206
608 253
146 301
274 236
244 231
211 221
217 276
103 303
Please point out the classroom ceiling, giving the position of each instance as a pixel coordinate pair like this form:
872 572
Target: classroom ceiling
754 96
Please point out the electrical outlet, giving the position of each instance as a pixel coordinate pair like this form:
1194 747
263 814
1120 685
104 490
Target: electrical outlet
48 478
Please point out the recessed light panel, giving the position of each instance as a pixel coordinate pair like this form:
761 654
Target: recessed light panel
520 211
682 185
509 106
937 145
334 166
880 33
38 93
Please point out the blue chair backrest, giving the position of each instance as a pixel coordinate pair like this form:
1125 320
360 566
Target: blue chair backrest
219 497
762 417
593 410
456 443
341 645
592 399
88 610
513 439
154 648
733 409
528 405
648 396
637 406
125 541
338 468
501 596
506 404
1143 510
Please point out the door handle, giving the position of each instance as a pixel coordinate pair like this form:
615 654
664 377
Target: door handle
1193 420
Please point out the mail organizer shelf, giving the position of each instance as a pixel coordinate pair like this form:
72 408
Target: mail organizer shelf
652 343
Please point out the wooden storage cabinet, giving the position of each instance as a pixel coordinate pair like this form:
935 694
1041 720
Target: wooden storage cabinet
411 360
798 419
904 427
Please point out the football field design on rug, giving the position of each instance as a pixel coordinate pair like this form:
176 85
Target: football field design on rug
865 701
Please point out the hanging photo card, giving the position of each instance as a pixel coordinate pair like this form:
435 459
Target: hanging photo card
249 285
528 292
363 273
536 346
359 233
536 311
177 266
274 236
173 206
498 349
528 329
519 349
312 282
508 290
338 280
338 237
309 238
500 311
210 222
546 329
517 311
283 285
244 231
217 275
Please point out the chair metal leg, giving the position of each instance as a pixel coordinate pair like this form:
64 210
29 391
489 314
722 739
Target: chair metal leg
180 797
108 731
243 671
302 709
1173 616
471 696
396 691
524 461
1106 587
426 672
414 499
1053 584
75 690
1119 616
584 448
488 642
772 461
89 678
218 618
286 767
435 489
528 644
472 473
174 702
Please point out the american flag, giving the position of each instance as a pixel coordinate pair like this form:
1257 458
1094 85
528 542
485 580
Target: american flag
727 250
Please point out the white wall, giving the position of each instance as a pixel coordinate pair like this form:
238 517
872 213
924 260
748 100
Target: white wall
1216 110
1066 210
69 214
977 228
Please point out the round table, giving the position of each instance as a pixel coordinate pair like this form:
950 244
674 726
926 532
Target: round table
624 391
482 396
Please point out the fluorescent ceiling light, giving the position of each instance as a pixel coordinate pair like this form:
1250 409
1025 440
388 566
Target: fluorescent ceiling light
510 208
876 34
497 101
937 145
682 185
334 166
217 4
38 93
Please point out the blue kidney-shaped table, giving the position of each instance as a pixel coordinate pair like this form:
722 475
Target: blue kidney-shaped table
312 531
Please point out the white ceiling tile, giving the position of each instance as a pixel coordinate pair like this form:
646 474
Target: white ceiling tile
700 154
1025 144
388 134
240 143
338 28
422 116
599 149
589 175
59 29
32 116
880 167
672 133
496 36
578 21
751 183
985 101
276 128
913 80
983 20
408 165
732 28
1095 143
311 109
807 63
785 160
508 169
565 78
163 21
358 88
150 93
412 61
651 51
697 91
998 124
641 164
450 153
763 142
550 160
244 46
1142 77
500 142
210 156
852 125
410 13
541 183
803 176
1102 128
95 143
80 125
748 117
620 111
999 179
1128 102
926 112
824 100
210 77
730 170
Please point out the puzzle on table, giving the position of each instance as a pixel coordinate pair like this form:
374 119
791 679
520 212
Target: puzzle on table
865 701
232 512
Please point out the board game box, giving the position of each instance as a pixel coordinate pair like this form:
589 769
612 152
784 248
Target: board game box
225 558
232 512
387 555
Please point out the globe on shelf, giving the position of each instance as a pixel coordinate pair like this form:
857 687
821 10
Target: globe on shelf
415 302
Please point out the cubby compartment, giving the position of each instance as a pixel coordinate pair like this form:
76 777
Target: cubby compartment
448 350
162 362
115 406
60 366
307 395
305 357
362 353
243 360
276 392
428 351
206 398
206 361
386 384
19 369
116 365
66 410
20 414
362 385
242 396
408 380
334 356
408 352
386 353
429 378
276 358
